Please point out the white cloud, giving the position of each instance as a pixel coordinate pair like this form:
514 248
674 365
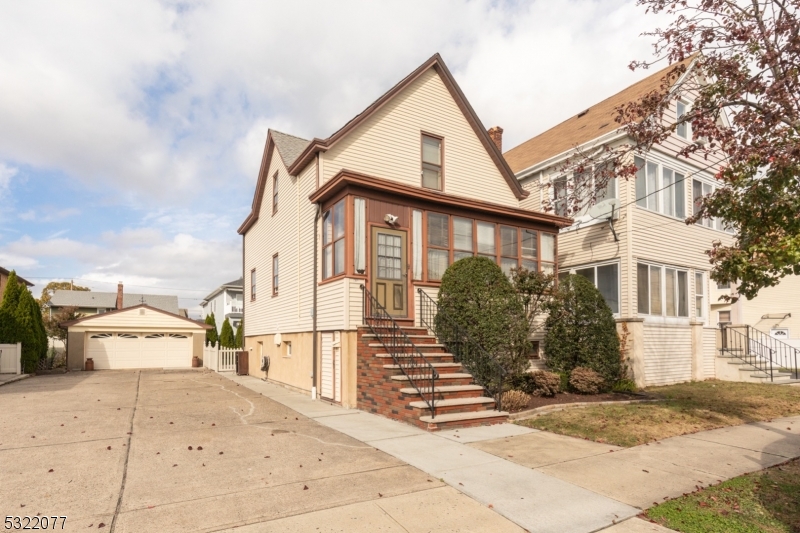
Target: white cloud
6 173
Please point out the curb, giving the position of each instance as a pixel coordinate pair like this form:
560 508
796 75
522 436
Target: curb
547 409
12 380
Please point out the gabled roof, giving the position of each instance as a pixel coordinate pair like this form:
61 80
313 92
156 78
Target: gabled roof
321 145
108 300
235 284
5 272
144 306
587 125
289 146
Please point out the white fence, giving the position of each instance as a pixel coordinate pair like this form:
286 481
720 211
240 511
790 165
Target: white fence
219 359
11 358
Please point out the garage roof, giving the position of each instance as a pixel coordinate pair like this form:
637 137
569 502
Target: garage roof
131 317
108 300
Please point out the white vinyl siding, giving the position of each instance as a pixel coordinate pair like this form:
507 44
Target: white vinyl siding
709 353
667 354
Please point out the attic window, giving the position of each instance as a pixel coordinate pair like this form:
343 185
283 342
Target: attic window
582 113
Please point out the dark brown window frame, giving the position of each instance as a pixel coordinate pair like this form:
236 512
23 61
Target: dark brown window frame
275 286
275 193
252 284
341 204
422 162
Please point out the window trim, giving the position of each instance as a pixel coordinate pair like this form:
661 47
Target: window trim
252 285
275 193
595 266
275 267
422 163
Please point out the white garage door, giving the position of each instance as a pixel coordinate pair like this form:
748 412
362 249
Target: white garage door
139 350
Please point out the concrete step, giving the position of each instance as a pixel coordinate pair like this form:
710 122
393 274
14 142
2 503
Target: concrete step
412 337
454 367
457 378
459 420
447 391
406 345
456 405
429 356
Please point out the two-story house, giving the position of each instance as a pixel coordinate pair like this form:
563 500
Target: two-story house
631 240
377 211
225 302
4 281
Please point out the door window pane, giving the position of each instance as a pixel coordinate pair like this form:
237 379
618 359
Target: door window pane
486 245
462 234
608 285
643 288
508 241
437 263
438 232
655 291
548 247
529 243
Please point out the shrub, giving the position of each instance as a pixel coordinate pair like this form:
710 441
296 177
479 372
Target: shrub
625 385
546 383
515 400
586 381
226 339
523 382
581 331
240 335
477 296
211 334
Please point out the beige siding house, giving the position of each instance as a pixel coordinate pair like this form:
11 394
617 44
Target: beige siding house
387 202
632 240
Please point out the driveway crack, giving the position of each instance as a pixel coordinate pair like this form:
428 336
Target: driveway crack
127 456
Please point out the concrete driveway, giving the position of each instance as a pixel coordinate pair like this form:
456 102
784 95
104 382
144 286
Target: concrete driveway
134 451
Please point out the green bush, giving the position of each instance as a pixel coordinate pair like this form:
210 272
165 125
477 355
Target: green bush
581 331
211 334
546 383
515 400
21 321
625 385
477 296
226 339
586 381
523 382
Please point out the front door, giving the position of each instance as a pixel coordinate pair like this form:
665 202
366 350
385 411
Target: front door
389 267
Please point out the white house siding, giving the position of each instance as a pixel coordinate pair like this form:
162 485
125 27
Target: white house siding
783 298
667 354
330 305
140 319
355 303
709 352
433 292
388 144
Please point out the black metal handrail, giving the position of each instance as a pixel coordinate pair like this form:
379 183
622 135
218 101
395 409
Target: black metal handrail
784 356
744 347
405 353
485 369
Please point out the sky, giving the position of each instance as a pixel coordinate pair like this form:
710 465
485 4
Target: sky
131 132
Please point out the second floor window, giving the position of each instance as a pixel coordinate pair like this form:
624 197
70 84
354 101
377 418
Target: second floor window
574 195
333 241
700 189
431 162
660 189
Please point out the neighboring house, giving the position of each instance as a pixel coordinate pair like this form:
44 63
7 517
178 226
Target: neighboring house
138 336
4 280
775 311
93 303
633 244
225 302
388 201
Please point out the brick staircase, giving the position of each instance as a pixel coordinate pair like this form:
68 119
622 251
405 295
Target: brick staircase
384 389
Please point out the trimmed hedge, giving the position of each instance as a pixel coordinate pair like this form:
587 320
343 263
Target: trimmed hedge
226 339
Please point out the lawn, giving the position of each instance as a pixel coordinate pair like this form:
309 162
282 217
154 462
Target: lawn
686 408
766 501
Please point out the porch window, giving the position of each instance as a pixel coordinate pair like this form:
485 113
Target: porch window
662 291
438 245
462 238
548 253
431 162
509 251
530 249
486 243
699 294
333 241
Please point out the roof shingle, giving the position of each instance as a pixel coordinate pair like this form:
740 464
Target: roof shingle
288 146
108 300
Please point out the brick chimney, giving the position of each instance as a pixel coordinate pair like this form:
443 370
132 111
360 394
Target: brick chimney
119 295
496 133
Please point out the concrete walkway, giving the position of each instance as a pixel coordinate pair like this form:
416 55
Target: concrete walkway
534 500
11 378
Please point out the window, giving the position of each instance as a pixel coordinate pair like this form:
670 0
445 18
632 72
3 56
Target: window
486 245
662 291
725 285
155 336
530 248
275 193
462 238
253 284
101 336
585 185
699 294
432 162
560 203
288 348
438 245
509 252
606 279
682 129
548 252
275 274
699 190
127 336
660 189
333 241
177 336
724 317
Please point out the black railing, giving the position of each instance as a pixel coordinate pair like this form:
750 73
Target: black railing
760 348
485 369
420 373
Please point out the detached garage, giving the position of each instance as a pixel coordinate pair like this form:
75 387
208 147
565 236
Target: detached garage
135 337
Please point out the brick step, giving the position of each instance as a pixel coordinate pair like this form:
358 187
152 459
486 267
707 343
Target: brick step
463 420
443 379
454 367
455 405
406 345
443 357
445 392
407 330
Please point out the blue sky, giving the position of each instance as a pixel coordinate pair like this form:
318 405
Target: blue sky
131 132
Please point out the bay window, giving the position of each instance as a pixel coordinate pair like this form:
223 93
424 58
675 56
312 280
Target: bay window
486 246
333 247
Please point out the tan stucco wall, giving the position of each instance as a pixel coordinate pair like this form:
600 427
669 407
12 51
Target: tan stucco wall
75 350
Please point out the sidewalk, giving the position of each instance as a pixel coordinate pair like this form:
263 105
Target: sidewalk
550 483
